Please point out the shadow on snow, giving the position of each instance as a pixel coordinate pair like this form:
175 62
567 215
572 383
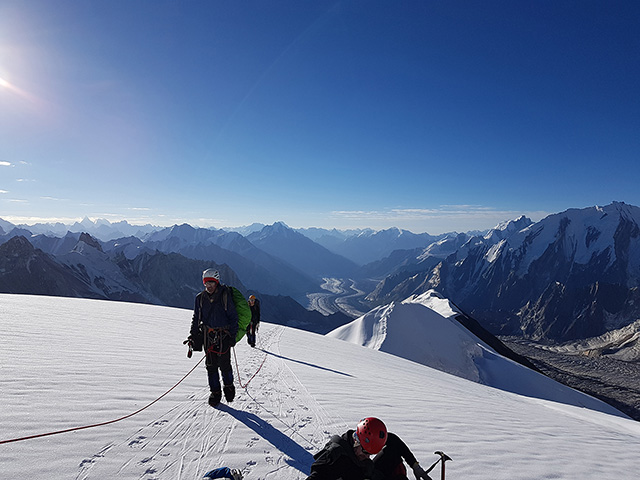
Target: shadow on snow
308 364
299 458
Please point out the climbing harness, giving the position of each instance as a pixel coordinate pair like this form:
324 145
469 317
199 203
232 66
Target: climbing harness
213 340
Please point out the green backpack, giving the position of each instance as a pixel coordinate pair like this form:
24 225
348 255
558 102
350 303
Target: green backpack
243 309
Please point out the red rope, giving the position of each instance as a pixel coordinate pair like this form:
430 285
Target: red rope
107 422
252 376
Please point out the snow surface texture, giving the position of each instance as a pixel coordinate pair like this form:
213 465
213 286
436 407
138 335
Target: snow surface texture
423 329
71 362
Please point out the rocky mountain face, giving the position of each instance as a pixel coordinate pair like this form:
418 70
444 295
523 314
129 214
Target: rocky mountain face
25 269
370 246
171 279
260 270
572 275
301 252
85 270
403 271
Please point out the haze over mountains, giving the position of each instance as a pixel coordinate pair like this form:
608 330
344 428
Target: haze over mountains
572 275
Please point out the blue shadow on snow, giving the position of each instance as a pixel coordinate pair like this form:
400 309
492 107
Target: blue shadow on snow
299 458
306 363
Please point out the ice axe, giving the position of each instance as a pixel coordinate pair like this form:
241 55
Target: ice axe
443 458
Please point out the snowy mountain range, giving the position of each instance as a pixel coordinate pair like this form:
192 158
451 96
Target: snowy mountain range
572 275
86 271
118 371
370 246
100 228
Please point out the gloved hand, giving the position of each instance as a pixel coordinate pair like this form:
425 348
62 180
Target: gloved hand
419 472
189 341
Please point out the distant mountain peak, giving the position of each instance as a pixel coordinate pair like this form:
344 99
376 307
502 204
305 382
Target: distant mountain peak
280 226
277 228
504 229
90 241
17 246
183 227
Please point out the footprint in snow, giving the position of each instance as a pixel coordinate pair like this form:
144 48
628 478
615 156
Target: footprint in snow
137 441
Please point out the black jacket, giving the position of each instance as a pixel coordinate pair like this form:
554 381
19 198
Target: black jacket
216 311
391 456
338 461
255 312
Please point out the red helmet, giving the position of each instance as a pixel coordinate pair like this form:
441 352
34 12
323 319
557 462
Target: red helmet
372 434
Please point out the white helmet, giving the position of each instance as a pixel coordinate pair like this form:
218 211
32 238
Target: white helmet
210 275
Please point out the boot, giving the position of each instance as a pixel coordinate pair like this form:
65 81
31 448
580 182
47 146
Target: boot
229 392
215 397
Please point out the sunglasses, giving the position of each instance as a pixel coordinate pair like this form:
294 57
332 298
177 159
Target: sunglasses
357 444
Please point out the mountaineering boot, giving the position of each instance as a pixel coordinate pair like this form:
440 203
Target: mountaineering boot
229 392
214 398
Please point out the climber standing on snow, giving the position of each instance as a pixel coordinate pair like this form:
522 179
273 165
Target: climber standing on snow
215 325
254 305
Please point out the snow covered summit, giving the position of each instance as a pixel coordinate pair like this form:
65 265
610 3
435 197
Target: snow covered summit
423 328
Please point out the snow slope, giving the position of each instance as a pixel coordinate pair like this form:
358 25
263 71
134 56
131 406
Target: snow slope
68 362
423 329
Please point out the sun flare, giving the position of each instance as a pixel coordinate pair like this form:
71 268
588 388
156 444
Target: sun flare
14 90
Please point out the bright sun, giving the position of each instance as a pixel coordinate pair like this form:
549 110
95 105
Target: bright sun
4 84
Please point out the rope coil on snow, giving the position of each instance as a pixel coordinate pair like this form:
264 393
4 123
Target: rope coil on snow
103 423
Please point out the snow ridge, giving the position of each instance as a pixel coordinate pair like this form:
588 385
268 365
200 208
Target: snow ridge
424 329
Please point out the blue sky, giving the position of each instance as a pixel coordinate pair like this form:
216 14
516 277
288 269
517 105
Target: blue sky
432 116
